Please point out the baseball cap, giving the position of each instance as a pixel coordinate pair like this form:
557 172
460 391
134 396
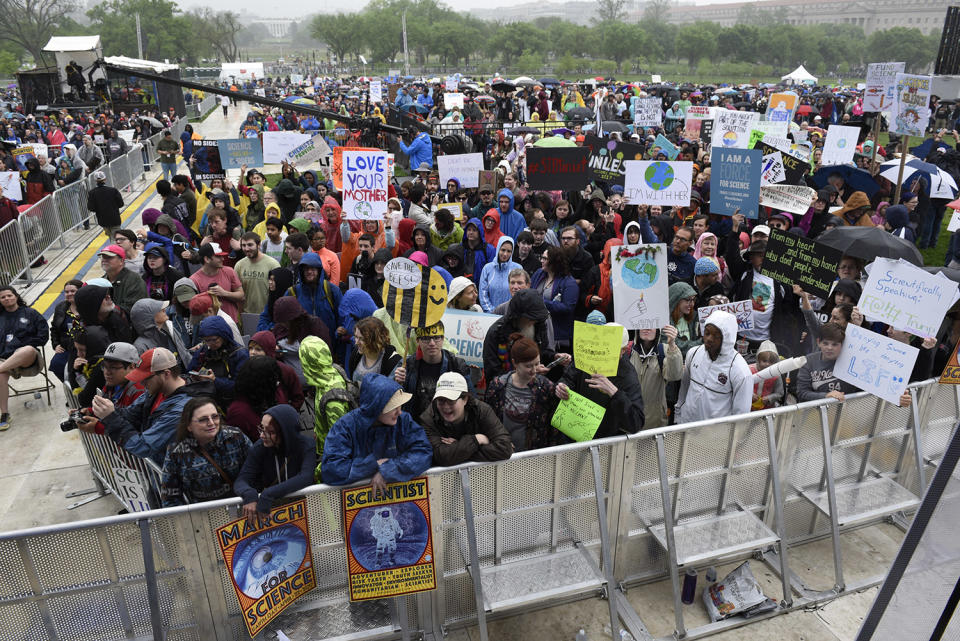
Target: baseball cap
121 352
760 229
450 386
399 398
153 361
184 293
113 251
99 176
210 250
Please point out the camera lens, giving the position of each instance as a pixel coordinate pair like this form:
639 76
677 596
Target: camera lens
68 425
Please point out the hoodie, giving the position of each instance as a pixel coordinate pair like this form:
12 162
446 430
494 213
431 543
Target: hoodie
332 229
475 259
148 334
270 473
527 303
358 440
321 300
454 253
320 373
355 305
511 221
372 283
225 362
493 235
494 284
160 287
288 199
433 254
711 388
88 299
898 218
420 149
283 281
656 367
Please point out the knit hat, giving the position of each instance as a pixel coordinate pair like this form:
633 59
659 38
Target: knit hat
705 266
596 317
458 285
679 291
768 346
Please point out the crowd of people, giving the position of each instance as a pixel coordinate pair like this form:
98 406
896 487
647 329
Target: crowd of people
322 384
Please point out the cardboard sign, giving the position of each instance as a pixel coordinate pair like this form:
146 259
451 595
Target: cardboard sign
840 145
607 158
550 168
336 168
365 183
466 331
771 169
278 144
234 154
907 297
735 182
795 199
658 182
270 563
742 309
463 167
641 286
912 108
578 417
881 86
10 183
491 179
667 147
596 348
875 363
800 261
951 371
794 168
306 153
695 116
208 165
420 304
781 107
389 540
731 129
451 100
648 113
376 91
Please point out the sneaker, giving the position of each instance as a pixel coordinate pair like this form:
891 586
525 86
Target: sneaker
4 422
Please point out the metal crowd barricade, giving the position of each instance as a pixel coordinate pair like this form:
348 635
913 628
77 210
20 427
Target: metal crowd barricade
131 480
14 259
544 527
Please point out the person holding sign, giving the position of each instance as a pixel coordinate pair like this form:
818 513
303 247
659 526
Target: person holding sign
657 362
619 394
420 371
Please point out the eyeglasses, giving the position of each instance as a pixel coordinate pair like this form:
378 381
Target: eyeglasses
208 420
431 339
570 238
114 367
262 429
683 240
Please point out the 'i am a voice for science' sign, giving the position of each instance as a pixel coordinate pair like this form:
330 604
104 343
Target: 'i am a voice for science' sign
365 182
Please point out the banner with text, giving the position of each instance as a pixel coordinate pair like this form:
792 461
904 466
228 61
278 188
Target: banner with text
795 199
731 129
607 158
313 150
277 144
551 168
742 309
365 182
466 330
236 153
800 261
647 113
875 363
907 297
463 167
735 182
658 182
207 164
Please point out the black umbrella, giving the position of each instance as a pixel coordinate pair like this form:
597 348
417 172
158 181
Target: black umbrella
522 131
579 113
504 85
869 243
613 125
548 81
746 105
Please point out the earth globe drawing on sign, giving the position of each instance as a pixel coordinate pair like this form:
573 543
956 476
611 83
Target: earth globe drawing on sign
658 176
729 139
640 272
363 210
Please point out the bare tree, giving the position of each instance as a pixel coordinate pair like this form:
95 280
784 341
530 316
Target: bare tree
656 11
610 10
221 29
30 23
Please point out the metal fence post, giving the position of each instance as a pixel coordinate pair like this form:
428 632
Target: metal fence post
150 574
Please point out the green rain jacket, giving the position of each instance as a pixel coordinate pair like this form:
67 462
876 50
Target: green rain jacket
319 371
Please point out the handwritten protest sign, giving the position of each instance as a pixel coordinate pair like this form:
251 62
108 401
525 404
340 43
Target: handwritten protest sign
731 129
881 86
207 165
780 108
742 309
875 363
309 152
413 294
772 170
277 144
793 198
607 158
658 182
376 91
668 148
794 168
912 108
451 100
800 261
466 331
365 183
265 588
10 182
647 113
596 348
907 297
735 182
694 118
951 371
578 417
337 163
640 286
463 167
239 152
840 145
550 168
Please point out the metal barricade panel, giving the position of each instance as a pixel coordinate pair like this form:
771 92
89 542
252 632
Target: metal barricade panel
14 582
23 621
942 416
55 559
13 252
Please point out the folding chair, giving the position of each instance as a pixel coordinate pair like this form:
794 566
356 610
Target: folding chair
37 391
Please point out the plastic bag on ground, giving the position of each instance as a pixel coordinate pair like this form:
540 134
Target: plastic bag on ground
736 593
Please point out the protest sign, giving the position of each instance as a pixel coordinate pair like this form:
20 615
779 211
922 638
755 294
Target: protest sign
907 297
490 179
795 199
668 148
451 100
781 107
912 108
640 286
269 561
875 363
706 133
22 154
550 168
800 261
658 182
951 371
466 331
596 348
881 85
376 91
392 91
794 168
735 182
130 487
306 153
694 118
413 294
607 157
278 144
336 168
840 145
207 165
731 129
742 309
954 224
365 183
772 170
647 113
236 153
10 183
127 135
389 540
772 128
454 208
578 417
655 77
463 167
451 84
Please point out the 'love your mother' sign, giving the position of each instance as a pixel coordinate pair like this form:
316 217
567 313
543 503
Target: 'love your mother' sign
365 183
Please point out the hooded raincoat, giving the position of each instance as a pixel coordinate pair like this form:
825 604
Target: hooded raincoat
321 300
148 334
225 362
493 282
320 373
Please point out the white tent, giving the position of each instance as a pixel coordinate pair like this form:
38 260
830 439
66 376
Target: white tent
84 50
799 75
140 65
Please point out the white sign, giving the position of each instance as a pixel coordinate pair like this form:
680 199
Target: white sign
658 182
403 273
640 286
742 309
954 221
840 145
10 182
911 112
647 112
731 129
907 297
451 100
309 152
365 184
875 363
879 93
277 144
772 127
464 167
771 170
654 78
795 199
466 330
376 91
451 84
126 135
130 488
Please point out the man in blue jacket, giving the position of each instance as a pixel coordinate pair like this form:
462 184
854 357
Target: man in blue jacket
316 294
420 149
511 220
221 356
377 439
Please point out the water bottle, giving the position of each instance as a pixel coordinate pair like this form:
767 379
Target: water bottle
581 636
711 575
689 592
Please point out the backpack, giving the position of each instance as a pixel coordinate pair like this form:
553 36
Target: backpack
349 394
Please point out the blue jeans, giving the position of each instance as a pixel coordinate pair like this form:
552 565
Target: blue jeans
930 226
58 363
168 168
953 249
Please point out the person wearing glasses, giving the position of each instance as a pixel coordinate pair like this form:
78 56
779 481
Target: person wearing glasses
117 360
680 260
206 457
420 372
219 359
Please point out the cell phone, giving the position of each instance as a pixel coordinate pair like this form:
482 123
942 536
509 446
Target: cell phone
193 372
555 362
100 393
